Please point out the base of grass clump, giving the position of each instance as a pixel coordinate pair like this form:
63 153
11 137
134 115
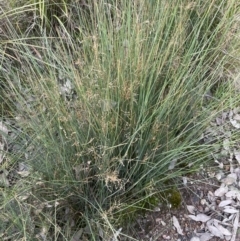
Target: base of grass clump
169 198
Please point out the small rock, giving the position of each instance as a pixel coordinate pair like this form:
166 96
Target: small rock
157 209
163 223
207 209
166 237
219 176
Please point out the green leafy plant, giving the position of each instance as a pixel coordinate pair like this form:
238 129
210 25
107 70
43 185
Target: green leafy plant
105 104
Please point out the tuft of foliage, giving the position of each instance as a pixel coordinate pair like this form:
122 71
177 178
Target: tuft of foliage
103 97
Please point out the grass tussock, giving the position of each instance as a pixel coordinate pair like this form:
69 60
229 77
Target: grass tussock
101 97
